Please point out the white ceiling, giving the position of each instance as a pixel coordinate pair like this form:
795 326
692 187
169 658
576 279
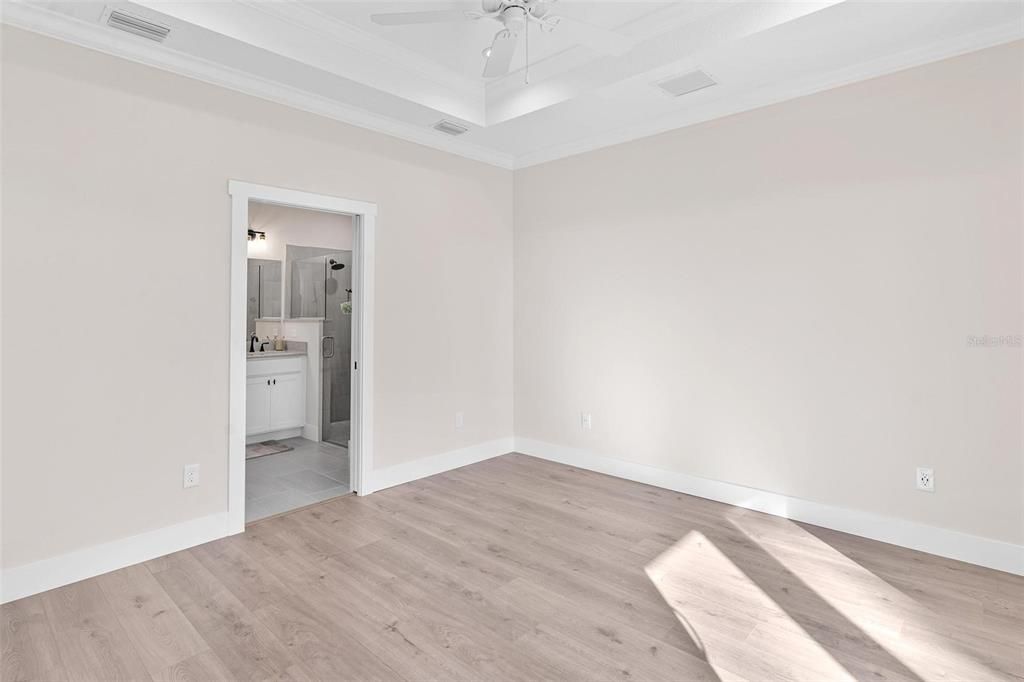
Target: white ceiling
328 57
458 46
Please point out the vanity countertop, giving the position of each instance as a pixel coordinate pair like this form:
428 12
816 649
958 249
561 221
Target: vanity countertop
275 354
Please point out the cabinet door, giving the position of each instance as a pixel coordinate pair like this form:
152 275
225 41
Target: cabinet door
257 405
287 401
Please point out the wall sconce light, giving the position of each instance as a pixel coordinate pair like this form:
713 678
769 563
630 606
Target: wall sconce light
256 234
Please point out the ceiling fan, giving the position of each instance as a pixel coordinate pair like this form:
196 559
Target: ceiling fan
515 17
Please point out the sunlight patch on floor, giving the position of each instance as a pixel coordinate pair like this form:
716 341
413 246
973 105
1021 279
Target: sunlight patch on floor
772 601
894 620
721 608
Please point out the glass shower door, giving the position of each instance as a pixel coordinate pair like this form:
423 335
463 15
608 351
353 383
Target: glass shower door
337 349
320 286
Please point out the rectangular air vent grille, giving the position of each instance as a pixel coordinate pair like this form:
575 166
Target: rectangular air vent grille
140 27
450 128
685 84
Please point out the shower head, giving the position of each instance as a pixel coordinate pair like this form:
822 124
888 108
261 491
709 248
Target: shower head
335 265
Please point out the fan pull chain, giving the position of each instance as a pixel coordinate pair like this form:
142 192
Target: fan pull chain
526 27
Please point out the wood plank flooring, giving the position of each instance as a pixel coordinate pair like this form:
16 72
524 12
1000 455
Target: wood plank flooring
521 569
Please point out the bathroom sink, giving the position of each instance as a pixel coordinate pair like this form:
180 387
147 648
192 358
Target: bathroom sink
274 354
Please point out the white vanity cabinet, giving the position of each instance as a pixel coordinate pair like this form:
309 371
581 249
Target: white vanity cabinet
275 393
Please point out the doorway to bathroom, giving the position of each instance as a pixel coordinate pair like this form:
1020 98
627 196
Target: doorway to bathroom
299 409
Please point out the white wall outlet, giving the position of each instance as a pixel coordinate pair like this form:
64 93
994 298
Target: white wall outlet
460 419
586 421
190 478
926 479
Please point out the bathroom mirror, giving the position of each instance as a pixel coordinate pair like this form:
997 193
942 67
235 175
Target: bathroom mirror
263 291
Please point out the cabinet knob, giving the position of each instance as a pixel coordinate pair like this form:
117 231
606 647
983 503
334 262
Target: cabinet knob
268 382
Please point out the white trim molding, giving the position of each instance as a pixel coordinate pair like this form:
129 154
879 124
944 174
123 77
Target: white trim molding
308 431
299 199
364 305
1002 556
438 464
47 574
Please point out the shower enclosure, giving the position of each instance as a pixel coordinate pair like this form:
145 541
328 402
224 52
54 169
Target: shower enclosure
320 285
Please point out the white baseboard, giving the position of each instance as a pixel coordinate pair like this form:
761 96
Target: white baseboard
1003 556
437 464
276 435
46 574
39 576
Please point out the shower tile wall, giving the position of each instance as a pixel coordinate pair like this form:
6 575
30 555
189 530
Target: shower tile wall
339 325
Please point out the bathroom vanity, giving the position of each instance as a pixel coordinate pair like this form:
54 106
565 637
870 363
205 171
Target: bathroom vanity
275 394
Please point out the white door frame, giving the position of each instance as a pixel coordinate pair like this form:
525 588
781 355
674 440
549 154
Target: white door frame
364 218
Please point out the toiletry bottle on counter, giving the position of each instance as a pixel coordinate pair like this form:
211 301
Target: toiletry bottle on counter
278 343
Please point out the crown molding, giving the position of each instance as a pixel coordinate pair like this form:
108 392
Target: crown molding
293 32
93 36
774 94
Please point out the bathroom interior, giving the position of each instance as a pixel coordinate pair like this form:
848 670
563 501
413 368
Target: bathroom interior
299 358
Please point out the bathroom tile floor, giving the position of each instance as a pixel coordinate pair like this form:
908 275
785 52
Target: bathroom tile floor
309 473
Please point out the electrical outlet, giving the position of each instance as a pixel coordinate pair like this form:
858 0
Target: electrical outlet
586 421
925 479
190 479
460 419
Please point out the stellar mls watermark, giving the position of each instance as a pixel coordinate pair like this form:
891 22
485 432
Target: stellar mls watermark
996 341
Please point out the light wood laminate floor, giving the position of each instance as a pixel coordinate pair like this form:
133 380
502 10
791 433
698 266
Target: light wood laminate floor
517 568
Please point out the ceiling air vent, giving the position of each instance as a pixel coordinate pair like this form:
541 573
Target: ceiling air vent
685 84
133 24
449 128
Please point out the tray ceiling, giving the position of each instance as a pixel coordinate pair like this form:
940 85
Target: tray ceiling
330 58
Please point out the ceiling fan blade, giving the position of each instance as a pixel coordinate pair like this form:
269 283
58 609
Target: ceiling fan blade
500 57
406 18
594 37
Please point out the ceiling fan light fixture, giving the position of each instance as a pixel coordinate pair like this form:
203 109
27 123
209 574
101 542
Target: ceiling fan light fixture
515 16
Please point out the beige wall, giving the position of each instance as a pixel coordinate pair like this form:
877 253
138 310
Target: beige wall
782 299
114 175
286 225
